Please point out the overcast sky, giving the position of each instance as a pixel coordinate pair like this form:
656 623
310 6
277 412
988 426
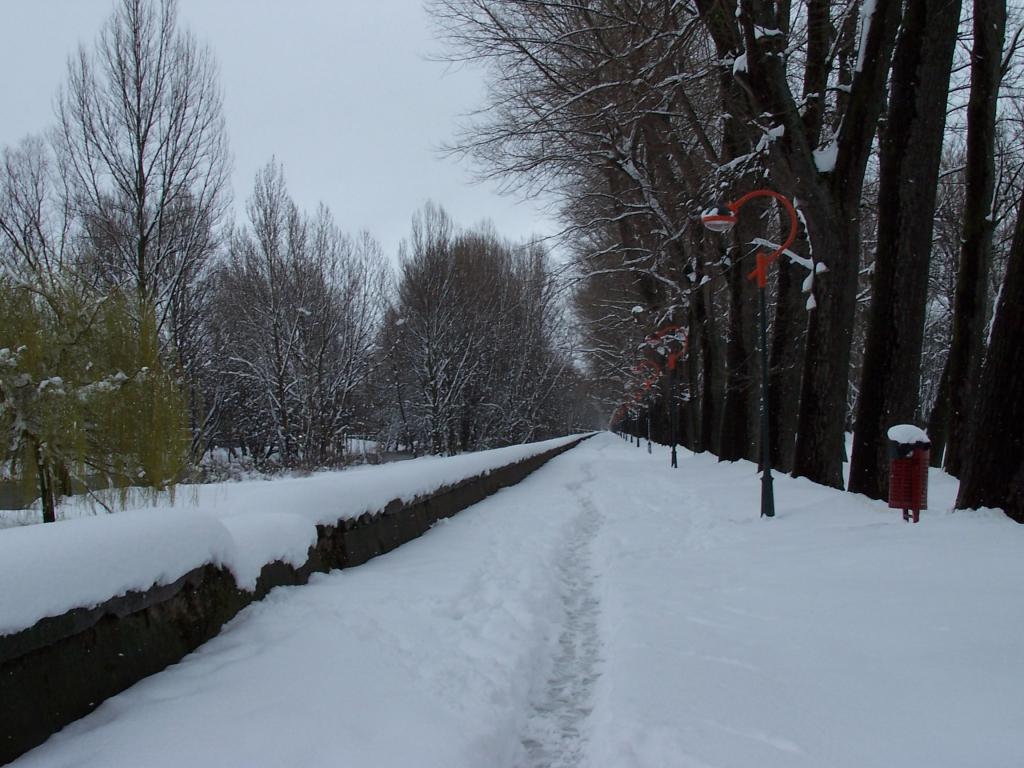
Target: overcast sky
340 91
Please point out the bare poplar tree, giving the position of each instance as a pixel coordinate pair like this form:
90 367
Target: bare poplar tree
141 141
35 222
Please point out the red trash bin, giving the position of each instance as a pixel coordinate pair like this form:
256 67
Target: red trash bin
909 452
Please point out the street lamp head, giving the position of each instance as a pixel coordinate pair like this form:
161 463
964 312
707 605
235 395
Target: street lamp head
718 218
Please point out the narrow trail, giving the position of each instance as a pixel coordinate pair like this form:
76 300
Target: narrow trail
554 736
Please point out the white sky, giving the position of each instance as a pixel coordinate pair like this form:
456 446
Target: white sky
340 91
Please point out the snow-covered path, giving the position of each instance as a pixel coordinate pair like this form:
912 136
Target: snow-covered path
609 611
555 735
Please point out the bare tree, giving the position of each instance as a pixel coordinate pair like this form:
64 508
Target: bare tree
475 340
297 306
35 222
141 142
436 351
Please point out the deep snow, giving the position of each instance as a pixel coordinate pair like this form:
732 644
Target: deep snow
610 611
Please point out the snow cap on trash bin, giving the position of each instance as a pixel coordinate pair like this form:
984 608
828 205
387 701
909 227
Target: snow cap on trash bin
908 434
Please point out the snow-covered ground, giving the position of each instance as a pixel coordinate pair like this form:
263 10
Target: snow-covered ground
609 611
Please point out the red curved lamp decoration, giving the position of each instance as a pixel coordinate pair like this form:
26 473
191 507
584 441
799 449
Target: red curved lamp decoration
720 220
673 357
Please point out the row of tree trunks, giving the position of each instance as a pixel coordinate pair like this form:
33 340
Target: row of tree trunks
641 122
993 472
963 366
828 199
911 148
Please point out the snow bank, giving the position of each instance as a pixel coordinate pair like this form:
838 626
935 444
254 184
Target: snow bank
327 497
264 537
47 570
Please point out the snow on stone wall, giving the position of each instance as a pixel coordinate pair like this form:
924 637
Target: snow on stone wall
47 570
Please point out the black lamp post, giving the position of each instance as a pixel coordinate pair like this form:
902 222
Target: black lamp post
649 406
660 341
673 411
722 219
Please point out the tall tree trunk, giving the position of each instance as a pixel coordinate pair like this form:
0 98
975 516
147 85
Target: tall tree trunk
786 353
938 419
821 422
694 360
784 369
834 237
735 436
819 30
911 150
45 478
967 348
993 468
710 392
735 439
